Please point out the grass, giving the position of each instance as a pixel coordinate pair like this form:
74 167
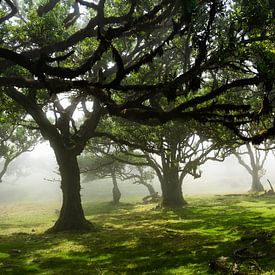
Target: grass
140 239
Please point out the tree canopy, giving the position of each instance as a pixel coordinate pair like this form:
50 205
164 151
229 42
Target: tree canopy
108 50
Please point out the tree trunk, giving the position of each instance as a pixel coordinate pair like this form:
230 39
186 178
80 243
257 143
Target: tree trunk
171 189
71 215
149 186
256 185
116 192
5 168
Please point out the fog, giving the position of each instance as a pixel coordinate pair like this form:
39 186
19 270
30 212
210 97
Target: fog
33 177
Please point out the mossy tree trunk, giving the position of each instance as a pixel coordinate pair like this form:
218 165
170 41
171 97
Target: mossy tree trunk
149 187
171 188
169 176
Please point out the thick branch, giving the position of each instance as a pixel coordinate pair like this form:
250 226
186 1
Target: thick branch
11 14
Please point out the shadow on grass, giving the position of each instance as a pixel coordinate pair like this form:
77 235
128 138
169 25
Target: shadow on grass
105 208
138 239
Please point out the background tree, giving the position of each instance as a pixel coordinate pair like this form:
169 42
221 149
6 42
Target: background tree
16 134
255 166
94 165
15 140
103 158
172 150
143 175
257 154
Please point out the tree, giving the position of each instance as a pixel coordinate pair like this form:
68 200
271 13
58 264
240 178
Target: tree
257 157
103 57
95 165
257 154
15 140
57 124
143 175
16 134
104 159
173 150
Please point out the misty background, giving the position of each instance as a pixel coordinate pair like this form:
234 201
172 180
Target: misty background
33 176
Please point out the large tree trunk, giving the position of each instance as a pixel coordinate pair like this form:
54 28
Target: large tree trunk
256 185
116 192
71 215
171 189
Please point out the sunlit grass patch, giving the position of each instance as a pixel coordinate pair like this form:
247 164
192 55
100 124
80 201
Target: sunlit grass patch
137 238
4 255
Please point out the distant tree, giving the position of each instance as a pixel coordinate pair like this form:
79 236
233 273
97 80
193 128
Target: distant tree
252 157
104 159
257 156
14 141
94 166
172 150
142 175
17 135
181 150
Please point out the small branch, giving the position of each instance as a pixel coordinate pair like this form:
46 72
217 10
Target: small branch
14 10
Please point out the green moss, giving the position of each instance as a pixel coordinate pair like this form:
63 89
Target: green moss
4 255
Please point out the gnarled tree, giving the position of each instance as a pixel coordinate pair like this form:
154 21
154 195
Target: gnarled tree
172 150
103 55
104 159
257 156
94 165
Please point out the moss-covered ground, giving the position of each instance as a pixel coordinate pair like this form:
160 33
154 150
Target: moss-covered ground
218 234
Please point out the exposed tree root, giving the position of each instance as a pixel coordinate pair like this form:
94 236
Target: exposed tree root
82 227
244 260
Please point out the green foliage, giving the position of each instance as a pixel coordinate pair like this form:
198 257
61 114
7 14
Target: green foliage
117 7
40 31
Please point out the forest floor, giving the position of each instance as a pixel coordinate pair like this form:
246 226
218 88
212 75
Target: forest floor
218 234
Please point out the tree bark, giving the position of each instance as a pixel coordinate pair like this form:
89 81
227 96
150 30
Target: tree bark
116 191
149 186
5 168
71 215
171 189
256 185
